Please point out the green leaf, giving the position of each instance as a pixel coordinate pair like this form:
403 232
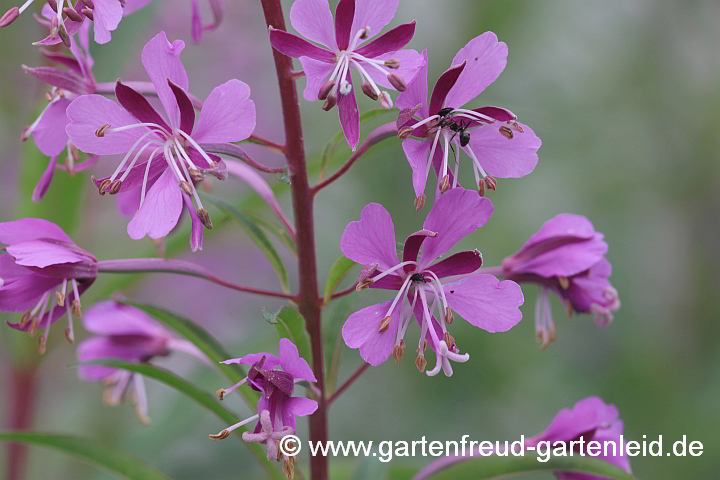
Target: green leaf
277 230
201 397
334 343
256 235
115 461
291 325
338 272
491 467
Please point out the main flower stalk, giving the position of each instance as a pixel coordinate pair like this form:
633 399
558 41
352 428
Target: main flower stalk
302 202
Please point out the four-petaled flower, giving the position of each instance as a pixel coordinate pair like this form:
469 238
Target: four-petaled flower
481 299
496 143
177 161
566 256
125 333
380 63
42 267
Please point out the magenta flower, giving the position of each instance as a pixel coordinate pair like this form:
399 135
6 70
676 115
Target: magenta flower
380 63
129 334
48 130
496 143
277 409
590 419
42 266
177 161
566 256
198 27
482 300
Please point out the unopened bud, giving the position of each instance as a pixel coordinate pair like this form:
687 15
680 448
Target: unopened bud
9 17
369 90
186 187
69 335
63 34
77 309
220 436
87 12
397 82
491 182
420 202
444 184
398 352
506 132
204 218
385 101
196 175
564 283
326 89
73 14
330 102
41 345
449 317
114 187
100 132
363 284
404 132
384 324
420 362
60 298
393 63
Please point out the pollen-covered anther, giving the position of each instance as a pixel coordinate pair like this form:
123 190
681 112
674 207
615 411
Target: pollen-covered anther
368 90
420 362
33 326
404 132
289 468
449 339
330 102
114 187
27 131
420 202
279 454
326 89
102 188
516 126
9 17
449 317
363 284
444 184
42 345
100 132
506 132
60 298
564 282
24 320
63 34
72 14
220 436
204 217
393 63
186 187
398 352
196 175
491 182
77 309
384 324
397 82
481 187
69 335
221 394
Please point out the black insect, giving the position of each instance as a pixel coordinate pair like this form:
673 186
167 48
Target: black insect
445 111
461 129
417 277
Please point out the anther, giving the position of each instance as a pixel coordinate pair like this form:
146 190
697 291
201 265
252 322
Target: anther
564 283
220 394
220 436
506 132
397 82
33 326
63 34
516 126
449 317
89 3
449 339
73 14
326 89
420 202
481 187
363 34
115 187
491 182
278 454
187 188
385 101
60 299
393 63
69 336
27 131
288 467
41 345
204 218
420 362
404 132
87 12
9 17
369 90
398 351
53 5
330 102
100 132
24 320
568 308
196 175
77 309
103 186
444 184
363 284
384 324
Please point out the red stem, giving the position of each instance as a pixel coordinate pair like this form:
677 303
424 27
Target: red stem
267 143
348 382
342 293
302 201
21 404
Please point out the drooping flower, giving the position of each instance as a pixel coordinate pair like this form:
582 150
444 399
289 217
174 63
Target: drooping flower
591 419
48 130
380 63
198 27
277 409
126 333
497 144
422 286
42 273
167 179
566 256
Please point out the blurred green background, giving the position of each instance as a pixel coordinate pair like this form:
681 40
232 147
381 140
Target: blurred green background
626 98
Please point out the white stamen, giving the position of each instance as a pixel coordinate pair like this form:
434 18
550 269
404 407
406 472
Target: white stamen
446 154
171 163
238 384
244 422
141 397
43 300
132 149
134 161
25 6
427 120
145 177
75 290
137 125
399 295
432 154
197 147
49 319
457 165
390 270
184 154
366 76
338 66
476 162
185 169
473 114
356 39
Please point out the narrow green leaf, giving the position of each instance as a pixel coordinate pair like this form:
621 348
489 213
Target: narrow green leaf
256 235
492 467
338 272
201 397
275 229
291 325
120 463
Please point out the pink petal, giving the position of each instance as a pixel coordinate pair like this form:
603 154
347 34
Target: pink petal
417 153
312 19
486 302
100 348
23 293
128 202
10 271
49 131
443 86
344 13
132 6
412 247
294 46
196 27
300 407
564 225
138 106
67 61
106 17
44 182
37 286
361 331
316 73
136 176
187 110
459 264
375 14
28 229
114 318
197 229
161 60
61 78
293 363
417 91
41 254
456 214
371 239
389 42
228 114
90 112
486 59
349 116
160 211
271 361
505 157
410 64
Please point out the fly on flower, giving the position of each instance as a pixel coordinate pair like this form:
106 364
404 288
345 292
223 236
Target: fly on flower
176 162
425 285
42 273
380 63
497 144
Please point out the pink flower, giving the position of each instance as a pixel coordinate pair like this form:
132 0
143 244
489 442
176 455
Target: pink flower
566 256
42 266
167 179
496 143
129 334
590 420
482 300
379 63
277 409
